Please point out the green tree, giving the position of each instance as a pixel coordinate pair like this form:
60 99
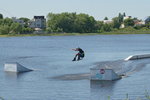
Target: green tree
124 14
52 22
1 16
129 22
99 26
120 18
4 29
106 18
27 30
66 21
15 28
116 23
107 27
5 25
85 23
70 22
6 21
26 21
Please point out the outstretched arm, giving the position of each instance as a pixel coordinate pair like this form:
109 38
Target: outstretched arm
75 49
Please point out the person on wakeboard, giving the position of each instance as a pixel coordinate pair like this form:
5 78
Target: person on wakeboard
79 55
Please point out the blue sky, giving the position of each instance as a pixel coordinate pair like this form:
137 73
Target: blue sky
96 8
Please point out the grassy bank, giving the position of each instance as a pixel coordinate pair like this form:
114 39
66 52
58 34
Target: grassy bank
119 32
51 34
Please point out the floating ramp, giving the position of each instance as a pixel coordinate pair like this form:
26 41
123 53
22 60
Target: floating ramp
15 67
103 74
135 57
113 70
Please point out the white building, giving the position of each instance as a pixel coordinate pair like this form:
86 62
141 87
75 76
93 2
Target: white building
126 17
107 21
139 23
38 23
122 25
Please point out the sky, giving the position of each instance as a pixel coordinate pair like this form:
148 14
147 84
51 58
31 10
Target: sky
96 8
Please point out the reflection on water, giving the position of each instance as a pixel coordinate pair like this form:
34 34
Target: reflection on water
13 75
80 76
101 90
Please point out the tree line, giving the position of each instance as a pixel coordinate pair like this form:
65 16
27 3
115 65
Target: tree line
83 23
8 26
71 23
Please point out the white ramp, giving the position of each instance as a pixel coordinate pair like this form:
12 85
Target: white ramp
15 67
103 74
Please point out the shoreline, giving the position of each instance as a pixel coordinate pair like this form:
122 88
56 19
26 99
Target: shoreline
74 34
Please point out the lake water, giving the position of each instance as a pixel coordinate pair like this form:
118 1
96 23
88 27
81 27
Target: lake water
51 58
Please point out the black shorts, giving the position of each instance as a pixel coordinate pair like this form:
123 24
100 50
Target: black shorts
82 55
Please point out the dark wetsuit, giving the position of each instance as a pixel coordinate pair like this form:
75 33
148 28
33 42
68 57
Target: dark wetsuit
80 54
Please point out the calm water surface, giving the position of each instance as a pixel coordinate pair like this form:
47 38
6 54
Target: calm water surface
50 56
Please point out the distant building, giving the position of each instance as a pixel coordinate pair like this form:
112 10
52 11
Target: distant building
126 17
107 21
122 25
38 23
147 20
139 23
21 22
